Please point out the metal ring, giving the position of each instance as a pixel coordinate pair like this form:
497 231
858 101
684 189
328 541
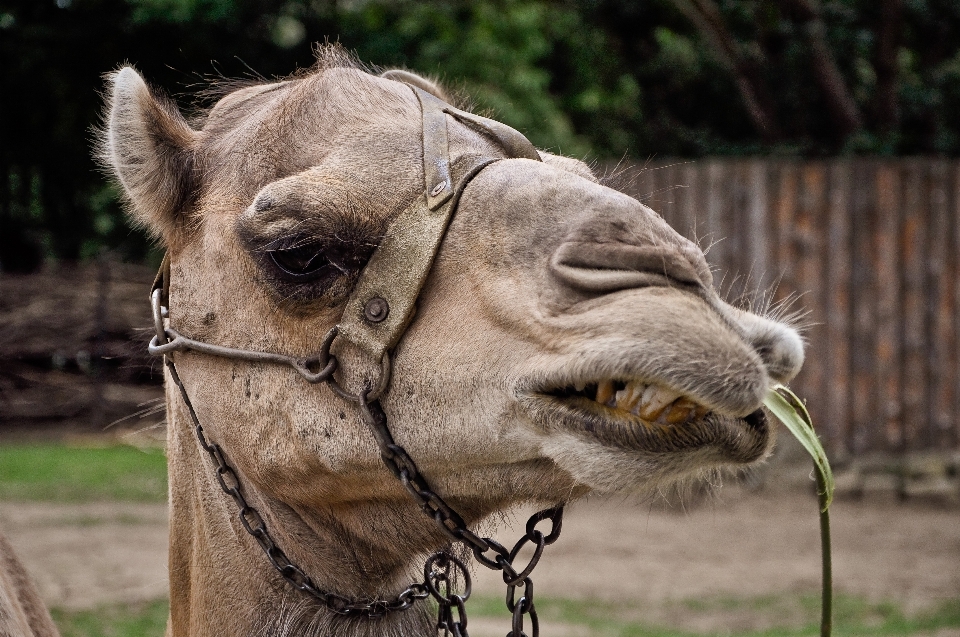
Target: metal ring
329 361
499 551
174 344
158 315
512 592
385 369
383 382
512 579
523 606
341 392
436 560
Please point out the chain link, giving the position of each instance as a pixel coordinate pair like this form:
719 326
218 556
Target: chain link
441 568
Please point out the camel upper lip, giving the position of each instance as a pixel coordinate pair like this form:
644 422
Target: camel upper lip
647 416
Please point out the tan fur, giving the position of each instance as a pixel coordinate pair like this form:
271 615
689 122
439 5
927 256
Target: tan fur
544 279
22 613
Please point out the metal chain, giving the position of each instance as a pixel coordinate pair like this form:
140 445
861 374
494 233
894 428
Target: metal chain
255 525
486 550
441 569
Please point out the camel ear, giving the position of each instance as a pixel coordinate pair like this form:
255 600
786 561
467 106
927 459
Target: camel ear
420 82
151 149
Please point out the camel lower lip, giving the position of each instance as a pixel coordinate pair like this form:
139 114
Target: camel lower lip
738 440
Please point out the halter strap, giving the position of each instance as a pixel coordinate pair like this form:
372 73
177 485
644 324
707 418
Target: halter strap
384 299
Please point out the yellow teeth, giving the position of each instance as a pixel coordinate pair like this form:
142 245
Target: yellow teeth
655 400
653 403
605 392
680 411
629 397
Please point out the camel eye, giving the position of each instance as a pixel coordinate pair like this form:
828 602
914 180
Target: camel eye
302 262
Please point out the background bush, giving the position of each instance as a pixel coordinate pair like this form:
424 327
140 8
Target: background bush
598 79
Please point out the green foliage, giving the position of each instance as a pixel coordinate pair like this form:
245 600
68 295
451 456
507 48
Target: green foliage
180 11
127 620
602 79
62 473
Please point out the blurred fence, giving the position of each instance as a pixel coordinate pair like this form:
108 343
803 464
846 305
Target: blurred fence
73 349
870 248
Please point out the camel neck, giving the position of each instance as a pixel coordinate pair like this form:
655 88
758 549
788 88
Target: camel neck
222 583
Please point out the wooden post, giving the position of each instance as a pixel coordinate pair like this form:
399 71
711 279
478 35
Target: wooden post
717 210
913 247
757 232
888 303
736 231
863 432
686 198
955 216
809 222
941 272
784 210
837 364
667 193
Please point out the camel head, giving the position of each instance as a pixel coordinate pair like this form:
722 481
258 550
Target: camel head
566 340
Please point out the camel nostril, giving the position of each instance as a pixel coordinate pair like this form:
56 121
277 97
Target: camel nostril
757 420
602 267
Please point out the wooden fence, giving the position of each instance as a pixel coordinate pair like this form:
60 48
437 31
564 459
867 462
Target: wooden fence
869 249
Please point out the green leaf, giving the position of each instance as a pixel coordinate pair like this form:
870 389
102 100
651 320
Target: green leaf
789 410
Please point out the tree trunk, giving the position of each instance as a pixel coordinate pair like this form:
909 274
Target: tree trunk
843 109
885 64
760 105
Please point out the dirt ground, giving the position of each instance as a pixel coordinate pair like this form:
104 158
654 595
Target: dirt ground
735 544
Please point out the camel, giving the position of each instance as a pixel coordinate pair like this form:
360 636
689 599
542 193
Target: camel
22 613
551 337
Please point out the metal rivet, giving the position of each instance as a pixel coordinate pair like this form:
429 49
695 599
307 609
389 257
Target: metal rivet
376 310
438 188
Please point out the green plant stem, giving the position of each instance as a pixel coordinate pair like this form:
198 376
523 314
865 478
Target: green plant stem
826 606
796 418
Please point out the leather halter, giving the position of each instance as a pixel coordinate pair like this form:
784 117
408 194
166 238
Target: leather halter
398 268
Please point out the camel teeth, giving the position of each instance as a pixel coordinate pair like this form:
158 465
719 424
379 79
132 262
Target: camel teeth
628 397
605 393
680 411
655 399
654 404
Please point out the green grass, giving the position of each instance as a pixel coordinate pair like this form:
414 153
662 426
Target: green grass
785 616
855 618
139 620
63 473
